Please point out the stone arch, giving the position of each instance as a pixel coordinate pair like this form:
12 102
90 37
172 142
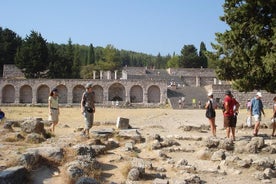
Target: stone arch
77 93
62 94
25 94
136 94
116 92
98 90
43 92
154 94
8 94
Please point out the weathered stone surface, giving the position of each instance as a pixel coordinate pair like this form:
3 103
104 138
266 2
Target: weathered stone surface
14 175
33 126
53 154
30 159
86 180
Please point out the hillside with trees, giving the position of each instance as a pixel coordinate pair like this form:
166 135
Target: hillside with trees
39 59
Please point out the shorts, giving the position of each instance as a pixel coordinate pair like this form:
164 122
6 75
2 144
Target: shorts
257 118
89 119
54 115
229 121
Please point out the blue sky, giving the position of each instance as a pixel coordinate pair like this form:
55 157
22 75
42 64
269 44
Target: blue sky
148 26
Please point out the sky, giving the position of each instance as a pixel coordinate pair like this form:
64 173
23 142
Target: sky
146 26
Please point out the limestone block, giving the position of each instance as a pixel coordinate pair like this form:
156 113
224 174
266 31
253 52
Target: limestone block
122 123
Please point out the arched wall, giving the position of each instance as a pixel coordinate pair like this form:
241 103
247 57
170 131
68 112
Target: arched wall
136 94
36 91
62 93
25 94
154 94
8 94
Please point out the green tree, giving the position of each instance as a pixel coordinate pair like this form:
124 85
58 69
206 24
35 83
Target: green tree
246 52
91 55
54 61
32 56
9 42
202 55
189 57
76 64
173 62
69 58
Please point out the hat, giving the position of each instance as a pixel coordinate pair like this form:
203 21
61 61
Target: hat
259 94
210 94
88 85
228 92
55 90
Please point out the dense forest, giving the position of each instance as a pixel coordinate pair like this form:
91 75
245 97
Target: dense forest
39 59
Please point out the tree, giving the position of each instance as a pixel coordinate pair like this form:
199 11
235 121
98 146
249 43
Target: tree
246 52
91 55
32 56
9 42
173 62
189 57
202 57
76 64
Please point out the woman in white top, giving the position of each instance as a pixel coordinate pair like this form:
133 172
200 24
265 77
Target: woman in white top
53 108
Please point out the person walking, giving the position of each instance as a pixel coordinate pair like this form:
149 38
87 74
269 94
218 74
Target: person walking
88 108
257 110
53 107
274 118
210 106
230 110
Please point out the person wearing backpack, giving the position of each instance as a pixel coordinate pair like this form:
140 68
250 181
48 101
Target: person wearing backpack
231 108
210 107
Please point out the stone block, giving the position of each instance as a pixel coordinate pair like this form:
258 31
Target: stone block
122 123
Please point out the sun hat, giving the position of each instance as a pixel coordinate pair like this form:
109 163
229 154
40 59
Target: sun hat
259 94
210 94
88 85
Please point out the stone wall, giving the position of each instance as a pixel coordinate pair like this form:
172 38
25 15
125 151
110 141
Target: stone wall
242 97
11 71
36 91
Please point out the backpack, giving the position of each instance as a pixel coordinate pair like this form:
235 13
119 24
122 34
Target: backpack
210 112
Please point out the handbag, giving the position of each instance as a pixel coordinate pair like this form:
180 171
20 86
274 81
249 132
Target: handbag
249 121
210 112
89 109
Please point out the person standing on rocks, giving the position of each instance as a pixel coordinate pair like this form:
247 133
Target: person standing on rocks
274 118
230 109
53 108
212 105
257 110
88 108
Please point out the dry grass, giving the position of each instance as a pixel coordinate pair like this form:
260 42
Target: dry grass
125 169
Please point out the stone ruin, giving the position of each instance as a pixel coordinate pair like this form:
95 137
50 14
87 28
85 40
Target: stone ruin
133 86
223 156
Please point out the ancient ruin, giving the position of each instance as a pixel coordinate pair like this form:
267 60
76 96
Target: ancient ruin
135 86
